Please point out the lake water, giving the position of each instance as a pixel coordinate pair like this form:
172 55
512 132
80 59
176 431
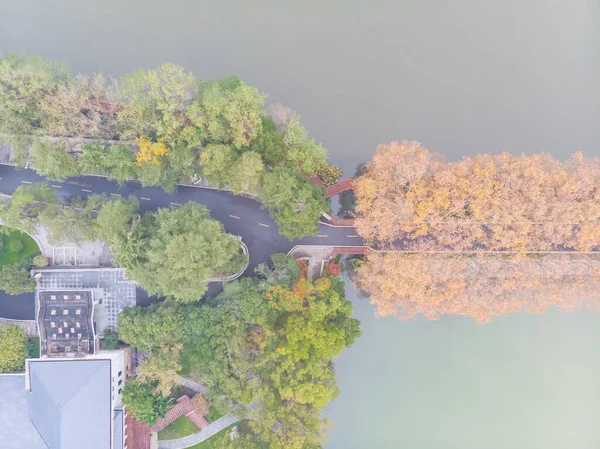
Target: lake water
460 76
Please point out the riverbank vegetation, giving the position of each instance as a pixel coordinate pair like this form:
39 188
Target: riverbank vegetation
163 127
484 236
264 348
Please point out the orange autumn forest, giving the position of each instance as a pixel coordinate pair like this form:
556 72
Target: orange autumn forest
484 236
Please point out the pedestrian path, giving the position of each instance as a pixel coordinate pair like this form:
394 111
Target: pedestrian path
203 435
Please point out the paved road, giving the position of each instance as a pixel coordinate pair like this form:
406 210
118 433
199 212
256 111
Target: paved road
239 215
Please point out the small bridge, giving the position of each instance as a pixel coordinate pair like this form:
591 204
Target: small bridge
339 187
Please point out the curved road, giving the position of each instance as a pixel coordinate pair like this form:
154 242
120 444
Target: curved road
239 215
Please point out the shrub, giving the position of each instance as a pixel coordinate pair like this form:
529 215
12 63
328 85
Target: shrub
41 261
111 340
15 245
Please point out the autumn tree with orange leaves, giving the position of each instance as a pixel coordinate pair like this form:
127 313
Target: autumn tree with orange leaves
470 228
494 202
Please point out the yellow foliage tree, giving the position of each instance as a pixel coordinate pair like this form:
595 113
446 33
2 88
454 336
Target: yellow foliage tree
150 152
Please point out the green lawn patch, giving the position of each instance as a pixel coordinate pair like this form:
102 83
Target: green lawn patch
181 427
213 414
210 443
34 347
27 248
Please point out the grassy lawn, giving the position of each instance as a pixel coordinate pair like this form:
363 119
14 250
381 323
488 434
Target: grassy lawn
213 414
210 443
34 345
181 427
29 248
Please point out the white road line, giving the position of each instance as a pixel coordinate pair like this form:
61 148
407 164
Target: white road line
174 204
322 235
56 187
235 216
85 190
115 194
352 236
262 224
144 198
26 182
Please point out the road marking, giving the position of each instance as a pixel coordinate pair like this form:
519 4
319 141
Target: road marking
321 235
85 190
26 182
56 187
262 224
144 198
115 194
235 216
352 236
175 204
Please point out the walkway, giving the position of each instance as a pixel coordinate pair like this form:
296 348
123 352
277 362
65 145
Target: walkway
339 187
184 407
204 434
197 387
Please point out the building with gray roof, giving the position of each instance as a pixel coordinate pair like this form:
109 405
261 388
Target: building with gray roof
70 403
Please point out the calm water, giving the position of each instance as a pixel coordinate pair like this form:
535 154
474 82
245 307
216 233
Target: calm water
460 76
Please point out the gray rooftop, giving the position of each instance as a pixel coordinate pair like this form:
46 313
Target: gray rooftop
65 322
118 429
16 429
70 403
113 288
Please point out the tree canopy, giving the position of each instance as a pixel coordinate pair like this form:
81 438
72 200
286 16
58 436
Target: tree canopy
173 252
294 203
143 403
13 349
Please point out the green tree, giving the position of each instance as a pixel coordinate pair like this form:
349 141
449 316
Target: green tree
284 270
13 349
246 173
269 143
85 106
114 219
161 324
25 82
228 111
22 211
15 279
217 164
120 164
184 248
52 160
293 202
73 222
304 151
111 340
156 101
143 403
93 159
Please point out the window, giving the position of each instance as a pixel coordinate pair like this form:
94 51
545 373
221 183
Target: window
66 335
72 330
120 389
120 372
120 382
